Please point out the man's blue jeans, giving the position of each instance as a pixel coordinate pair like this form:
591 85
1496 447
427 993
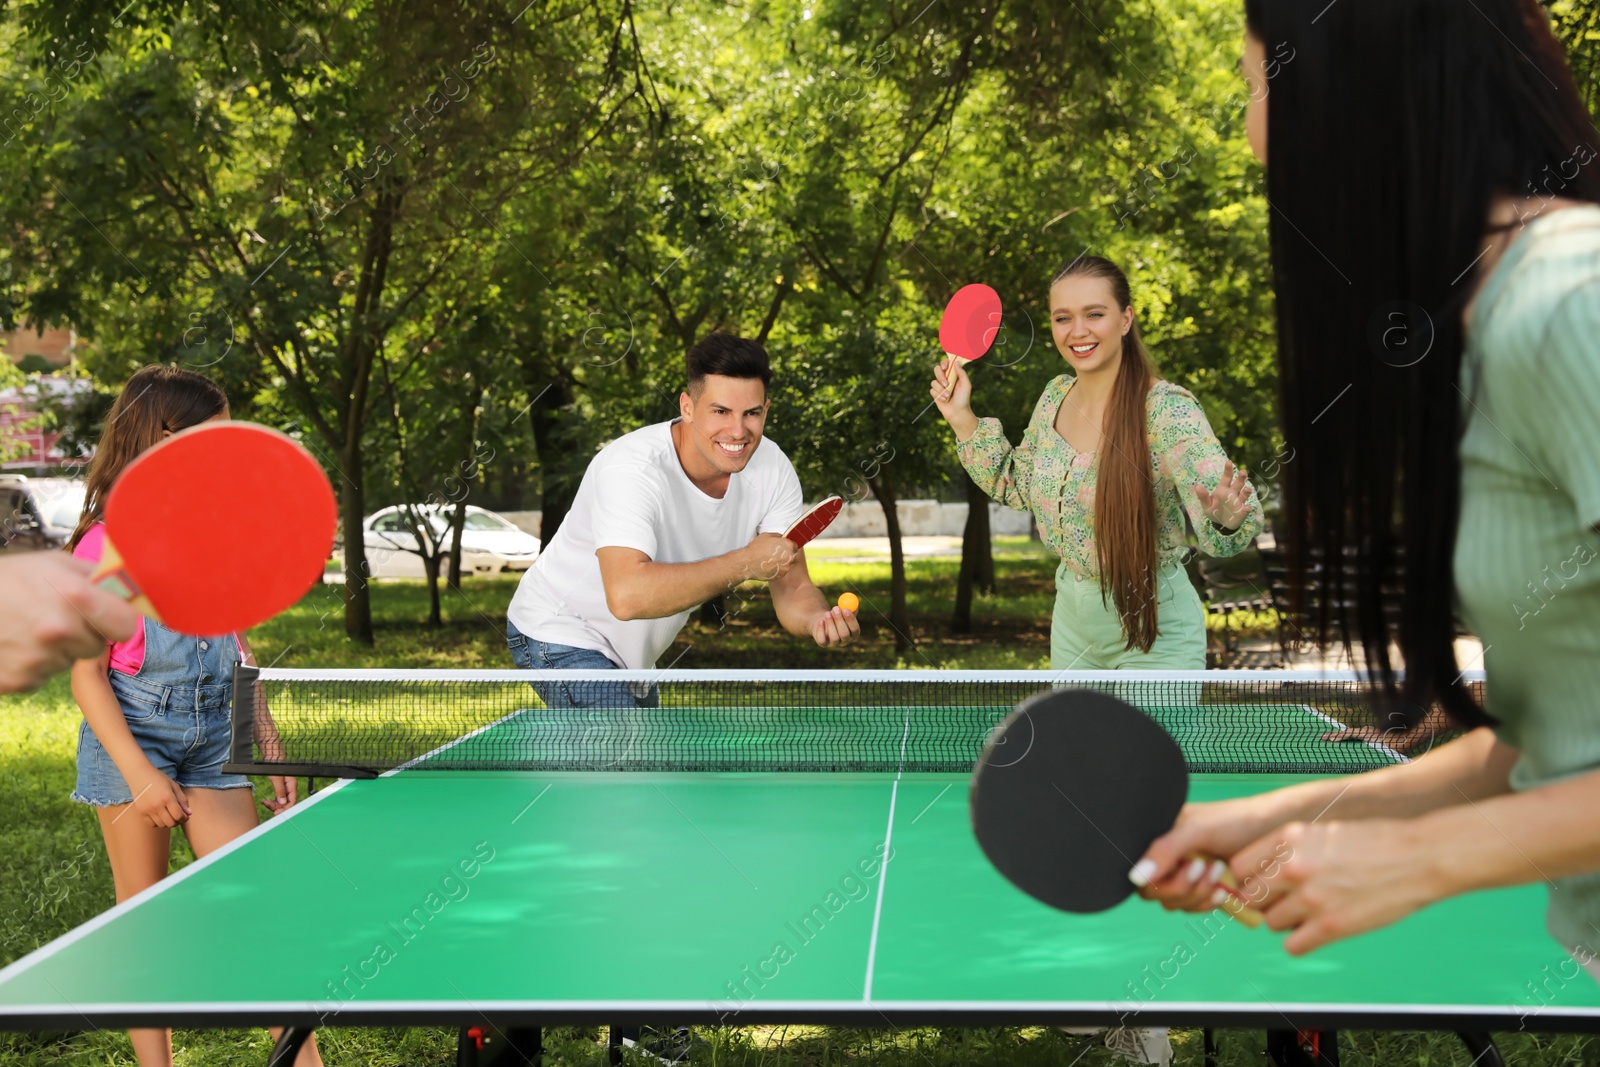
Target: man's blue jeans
531 654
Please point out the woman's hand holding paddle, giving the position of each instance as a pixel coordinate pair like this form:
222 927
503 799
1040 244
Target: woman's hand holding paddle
951 390
1324 880
1327 881
1167 873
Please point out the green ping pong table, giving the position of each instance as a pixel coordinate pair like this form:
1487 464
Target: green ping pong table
544 865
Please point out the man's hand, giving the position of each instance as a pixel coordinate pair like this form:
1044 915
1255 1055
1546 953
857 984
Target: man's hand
835 626
53 616
768 557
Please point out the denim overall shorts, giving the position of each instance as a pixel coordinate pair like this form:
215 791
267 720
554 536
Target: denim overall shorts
177 707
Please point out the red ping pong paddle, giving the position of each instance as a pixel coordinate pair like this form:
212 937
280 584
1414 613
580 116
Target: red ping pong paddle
814 521
217 528
970 324
1069 793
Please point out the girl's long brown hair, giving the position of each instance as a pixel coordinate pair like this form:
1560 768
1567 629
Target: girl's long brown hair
1124 498
156 400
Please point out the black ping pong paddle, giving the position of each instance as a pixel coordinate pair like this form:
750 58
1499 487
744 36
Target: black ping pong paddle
1069 793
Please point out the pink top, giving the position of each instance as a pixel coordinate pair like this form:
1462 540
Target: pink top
126 656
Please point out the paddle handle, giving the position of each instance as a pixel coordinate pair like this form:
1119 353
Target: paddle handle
1236 905
111 575
949 369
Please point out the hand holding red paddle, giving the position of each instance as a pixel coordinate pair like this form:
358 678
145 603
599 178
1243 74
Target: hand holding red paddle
967 332
817 518
53 616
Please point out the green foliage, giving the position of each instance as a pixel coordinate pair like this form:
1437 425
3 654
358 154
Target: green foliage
486 235
290 201
1578 24
33 363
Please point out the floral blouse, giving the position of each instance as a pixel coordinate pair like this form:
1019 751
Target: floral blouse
1046 476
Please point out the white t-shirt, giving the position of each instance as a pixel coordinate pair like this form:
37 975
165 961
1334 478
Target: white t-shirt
635 494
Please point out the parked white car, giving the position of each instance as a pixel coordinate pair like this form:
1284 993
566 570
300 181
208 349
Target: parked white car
38 512
489 543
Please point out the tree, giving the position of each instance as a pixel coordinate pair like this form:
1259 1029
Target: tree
347 159
471 246
1578 24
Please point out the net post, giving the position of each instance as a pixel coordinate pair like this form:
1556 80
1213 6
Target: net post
242 716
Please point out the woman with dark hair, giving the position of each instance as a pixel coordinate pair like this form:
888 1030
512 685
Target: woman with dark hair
1436 254
1112 460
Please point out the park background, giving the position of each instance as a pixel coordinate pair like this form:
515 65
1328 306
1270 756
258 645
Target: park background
455 248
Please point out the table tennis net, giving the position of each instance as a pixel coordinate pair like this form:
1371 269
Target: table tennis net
363 723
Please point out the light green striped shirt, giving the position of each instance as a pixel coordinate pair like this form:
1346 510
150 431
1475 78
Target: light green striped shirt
1527 562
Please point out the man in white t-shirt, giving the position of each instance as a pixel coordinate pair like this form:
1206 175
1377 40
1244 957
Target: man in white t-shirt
667 518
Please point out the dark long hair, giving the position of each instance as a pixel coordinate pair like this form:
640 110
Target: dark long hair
1124 495
157 399
1392 127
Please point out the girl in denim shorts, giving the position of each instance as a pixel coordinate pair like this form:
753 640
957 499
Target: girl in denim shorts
155 707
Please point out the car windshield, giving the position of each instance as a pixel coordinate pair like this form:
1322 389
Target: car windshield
61 507
482 520
399 522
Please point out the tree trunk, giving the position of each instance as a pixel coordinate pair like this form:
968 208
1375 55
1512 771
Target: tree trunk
458 522
357 590
984 580
430 567
899 615
468 473
359 347
977 558
559 485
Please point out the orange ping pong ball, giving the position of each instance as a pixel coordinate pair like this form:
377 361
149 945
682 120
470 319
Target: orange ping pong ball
849 601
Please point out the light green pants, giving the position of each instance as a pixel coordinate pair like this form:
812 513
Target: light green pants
1085 634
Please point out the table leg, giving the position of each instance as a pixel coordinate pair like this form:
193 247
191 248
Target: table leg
1303 1048
288 1045
1483 1049
483 1046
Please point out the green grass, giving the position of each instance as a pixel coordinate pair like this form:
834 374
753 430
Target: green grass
54 874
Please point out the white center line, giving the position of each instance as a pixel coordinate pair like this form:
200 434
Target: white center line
883 878
883 872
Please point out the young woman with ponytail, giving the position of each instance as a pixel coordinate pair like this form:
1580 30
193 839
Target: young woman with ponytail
1112 461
